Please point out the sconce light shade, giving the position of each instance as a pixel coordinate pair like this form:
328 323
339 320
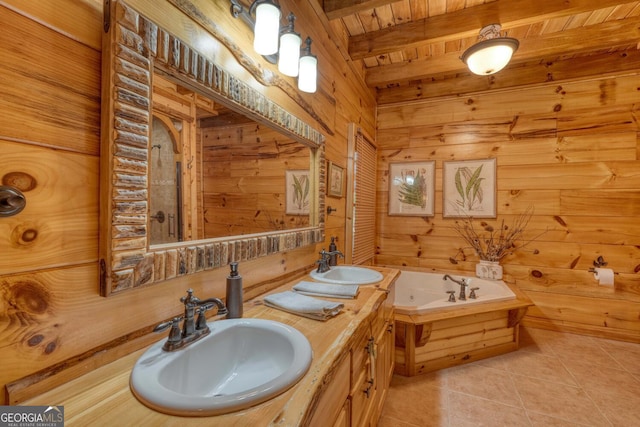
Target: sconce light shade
308 78
492 53
289 53
267 28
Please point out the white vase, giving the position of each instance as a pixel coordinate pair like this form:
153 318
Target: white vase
491 270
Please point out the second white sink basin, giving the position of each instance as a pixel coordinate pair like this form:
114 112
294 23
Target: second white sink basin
348 274
241 363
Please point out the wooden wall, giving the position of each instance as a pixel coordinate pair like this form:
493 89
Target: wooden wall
243 170
51 314
571 151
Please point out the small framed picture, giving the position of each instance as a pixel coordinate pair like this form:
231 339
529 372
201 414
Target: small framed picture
335 186
469 188
297 188
412 188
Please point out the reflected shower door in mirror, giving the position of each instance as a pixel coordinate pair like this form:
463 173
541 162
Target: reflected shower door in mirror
165 186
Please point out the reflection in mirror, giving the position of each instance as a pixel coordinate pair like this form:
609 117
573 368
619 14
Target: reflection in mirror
225 180
249 178
165 186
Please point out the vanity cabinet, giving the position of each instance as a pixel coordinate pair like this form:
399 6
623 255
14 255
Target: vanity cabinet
345 386
372 368
355 394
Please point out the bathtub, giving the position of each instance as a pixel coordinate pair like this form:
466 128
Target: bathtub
432 333
418 292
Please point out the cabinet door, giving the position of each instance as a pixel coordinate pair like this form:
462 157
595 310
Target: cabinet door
362 381
331 404
344 417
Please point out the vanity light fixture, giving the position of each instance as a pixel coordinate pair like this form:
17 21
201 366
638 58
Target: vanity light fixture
308 78
289 52
266 28
492 52
279 45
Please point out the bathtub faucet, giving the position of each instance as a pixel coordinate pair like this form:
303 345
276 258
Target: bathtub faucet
463 284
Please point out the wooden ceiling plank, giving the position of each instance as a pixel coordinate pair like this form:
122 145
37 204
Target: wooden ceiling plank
419 9
603 36
467 22
401 12
385 16
517 77
335 9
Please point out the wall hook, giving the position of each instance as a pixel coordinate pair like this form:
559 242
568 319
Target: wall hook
12 201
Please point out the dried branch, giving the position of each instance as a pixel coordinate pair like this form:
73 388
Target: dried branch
493 244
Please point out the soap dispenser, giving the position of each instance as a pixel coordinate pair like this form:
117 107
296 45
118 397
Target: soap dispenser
333 260
234 292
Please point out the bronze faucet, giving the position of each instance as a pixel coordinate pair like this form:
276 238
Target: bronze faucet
192 329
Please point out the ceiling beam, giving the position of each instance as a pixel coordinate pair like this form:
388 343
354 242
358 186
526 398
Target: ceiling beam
621 33
335 9
467 23
555 72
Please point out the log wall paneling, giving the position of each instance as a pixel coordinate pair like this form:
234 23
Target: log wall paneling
50 130
571 152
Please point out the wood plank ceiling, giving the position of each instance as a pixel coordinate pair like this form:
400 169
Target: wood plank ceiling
411 49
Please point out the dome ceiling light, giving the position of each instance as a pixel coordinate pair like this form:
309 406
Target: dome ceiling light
492 52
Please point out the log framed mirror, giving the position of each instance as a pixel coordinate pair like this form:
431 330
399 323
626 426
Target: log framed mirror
140 61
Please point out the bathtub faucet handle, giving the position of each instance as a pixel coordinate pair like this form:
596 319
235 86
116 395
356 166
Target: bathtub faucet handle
473 295
452 296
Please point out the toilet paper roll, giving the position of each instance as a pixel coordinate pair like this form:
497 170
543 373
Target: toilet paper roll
604 276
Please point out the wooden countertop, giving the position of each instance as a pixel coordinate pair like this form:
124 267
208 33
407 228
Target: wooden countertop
103 396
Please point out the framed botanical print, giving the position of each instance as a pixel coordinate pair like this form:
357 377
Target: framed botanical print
297 187
469 188
335 184
412 188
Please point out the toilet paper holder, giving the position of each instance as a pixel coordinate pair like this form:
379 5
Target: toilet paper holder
598 263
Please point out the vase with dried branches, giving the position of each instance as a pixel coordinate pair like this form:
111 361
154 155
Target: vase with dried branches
491 244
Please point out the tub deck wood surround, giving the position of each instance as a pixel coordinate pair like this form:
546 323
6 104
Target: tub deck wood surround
444 338
103 396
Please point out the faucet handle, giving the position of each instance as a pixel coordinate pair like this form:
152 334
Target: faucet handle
201 322
165 325
175 334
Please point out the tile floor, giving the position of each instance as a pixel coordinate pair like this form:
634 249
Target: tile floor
554 379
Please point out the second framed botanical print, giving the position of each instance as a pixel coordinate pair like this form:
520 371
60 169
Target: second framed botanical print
335 186
469 188
412 188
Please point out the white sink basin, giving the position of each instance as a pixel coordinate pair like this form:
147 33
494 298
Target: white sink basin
241 363
348 274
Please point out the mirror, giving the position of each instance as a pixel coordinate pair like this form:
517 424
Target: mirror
240 168
173 174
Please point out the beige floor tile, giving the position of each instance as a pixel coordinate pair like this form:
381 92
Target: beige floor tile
480 381
583 348
615 392
543 340
540 366
559 401
433 379
625 353
386 421
416 403
465 410
556 379
541 420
